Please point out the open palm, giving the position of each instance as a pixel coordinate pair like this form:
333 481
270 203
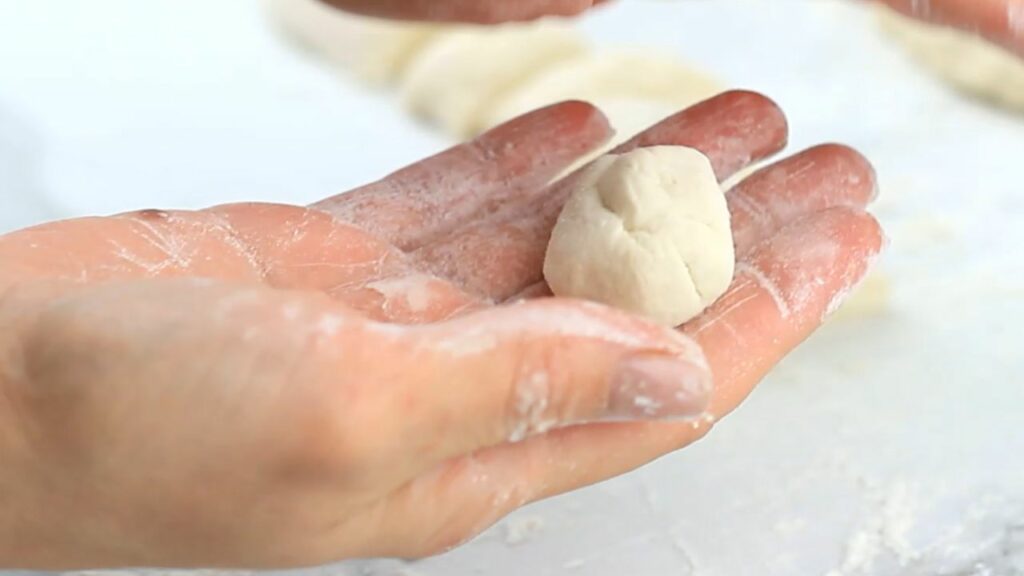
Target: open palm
384 373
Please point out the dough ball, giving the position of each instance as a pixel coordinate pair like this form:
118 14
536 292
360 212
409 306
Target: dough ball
648 232
968 63
376 51
452 82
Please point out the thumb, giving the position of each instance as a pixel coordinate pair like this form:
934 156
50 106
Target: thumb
507 373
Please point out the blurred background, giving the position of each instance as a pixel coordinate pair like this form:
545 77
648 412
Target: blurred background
890 444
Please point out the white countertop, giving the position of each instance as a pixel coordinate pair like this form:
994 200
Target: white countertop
890 445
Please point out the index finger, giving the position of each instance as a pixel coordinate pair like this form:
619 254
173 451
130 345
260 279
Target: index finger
430 198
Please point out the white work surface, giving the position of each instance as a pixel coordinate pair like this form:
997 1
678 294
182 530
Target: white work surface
886 445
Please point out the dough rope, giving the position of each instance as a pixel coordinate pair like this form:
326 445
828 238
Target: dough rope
965 62
465 79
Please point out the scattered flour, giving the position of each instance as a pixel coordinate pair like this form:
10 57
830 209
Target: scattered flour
520 530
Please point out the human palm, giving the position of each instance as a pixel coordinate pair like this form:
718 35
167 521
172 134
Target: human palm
384 373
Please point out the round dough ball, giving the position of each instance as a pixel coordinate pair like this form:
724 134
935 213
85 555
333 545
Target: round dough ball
968 63
452 81
376 51
648 232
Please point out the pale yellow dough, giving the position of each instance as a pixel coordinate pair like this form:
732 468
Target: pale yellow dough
611 77
961 59
871 298
376 51
454 80
634 88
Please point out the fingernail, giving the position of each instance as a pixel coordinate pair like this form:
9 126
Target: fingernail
658 387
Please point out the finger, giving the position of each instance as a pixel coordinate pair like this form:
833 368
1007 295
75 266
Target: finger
429 199
499 257
471 11
819 178
1001 21
785 288
513 372
734 129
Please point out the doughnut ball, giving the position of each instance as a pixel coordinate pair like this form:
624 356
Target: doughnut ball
647 232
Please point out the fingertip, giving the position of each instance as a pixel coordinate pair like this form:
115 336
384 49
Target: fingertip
823 256
861 228
857 173
658 387
585 113
770 118
543 142
570 116
733 129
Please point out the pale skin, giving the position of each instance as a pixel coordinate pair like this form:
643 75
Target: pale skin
1001 21
267 386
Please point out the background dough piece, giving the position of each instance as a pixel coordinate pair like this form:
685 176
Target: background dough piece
965 61
635 89
375 50
453 81
871 298
647 232
605 77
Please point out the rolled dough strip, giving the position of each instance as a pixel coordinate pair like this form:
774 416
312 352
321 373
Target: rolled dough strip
966 62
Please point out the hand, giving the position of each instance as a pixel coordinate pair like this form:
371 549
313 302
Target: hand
1001 21
473 11
273 386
